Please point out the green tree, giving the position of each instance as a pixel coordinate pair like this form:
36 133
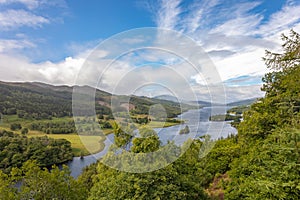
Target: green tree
40 184
269 162
178 180
122 136
24 131
15 126
7 192
148 142
44 184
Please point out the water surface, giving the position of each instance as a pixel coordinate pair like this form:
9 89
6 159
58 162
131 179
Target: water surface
199 125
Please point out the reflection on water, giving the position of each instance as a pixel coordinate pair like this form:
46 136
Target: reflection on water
197 120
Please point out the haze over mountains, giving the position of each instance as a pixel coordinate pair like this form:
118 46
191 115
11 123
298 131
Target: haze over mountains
206 103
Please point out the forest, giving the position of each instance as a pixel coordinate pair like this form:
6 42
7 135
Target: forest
16 149
41 101
261 162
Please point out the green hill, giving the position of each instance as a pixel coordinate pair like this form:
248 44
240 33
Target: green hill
43 101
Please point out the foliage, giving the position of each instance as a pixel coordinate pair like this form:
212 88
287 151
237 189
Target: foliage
234 115
16 149
15 126
148 142
41 101
185 130
122 137
261 162
176 181
270 171
39 184
24 131
54 127
269 162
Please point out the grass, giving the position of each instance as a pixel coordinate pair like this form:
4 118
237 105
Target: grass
157 124
81 145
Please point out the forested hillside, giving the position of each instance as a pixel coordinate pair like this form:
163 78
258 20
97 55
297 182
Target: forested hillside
269 162
43 101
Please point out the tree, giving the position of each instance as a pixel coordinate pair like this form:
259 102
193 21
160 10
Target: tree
39 184
178 180
15 126
149 142
281 104
269 162
7 192
24 131
122 136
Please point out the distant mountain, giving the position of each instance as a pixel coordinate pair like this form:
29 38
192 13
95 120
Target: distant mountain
236 103
175 99
205 103
167 97
243 102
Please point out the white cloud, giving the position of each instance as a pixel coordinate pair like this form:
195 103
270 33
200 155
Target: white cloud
10 45
17 68
30 4
230 25
280 21
34 4
200 13
12 19
233 33
167 16
239 26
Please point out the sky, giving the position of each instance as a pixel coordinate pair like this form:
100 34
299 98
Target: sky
50 41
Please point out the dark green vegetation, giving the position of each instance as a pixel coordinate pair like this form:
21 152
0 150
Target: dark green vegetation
185 178
261 162
185 130
269 162
54 127
234 115
36 109
40 184
16 149
42 101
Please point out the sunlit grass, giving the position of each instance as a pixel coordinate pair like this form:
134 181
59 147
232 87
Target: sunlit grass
81 145
87 144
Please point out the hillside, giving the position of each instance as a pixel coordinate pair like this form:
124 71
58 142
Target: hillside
243 102
43 101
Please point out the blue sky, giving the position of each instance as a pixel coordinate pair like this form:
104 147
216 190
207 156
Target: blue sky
48 41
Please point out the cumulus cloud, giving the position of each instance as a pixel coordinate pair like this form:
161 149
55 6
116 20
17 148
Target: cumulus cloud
18 68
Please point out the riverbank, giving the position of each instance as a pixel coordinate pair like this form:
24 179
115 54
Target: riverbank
81 145
197 121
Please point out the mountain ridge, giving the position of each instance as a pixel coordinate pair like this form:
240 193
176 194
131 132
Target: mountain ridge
41 100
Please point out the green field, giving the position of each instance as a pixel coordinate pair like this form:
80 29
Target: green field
81 145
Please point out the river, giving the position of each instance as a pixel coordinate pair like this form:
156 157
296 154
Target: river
197 121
